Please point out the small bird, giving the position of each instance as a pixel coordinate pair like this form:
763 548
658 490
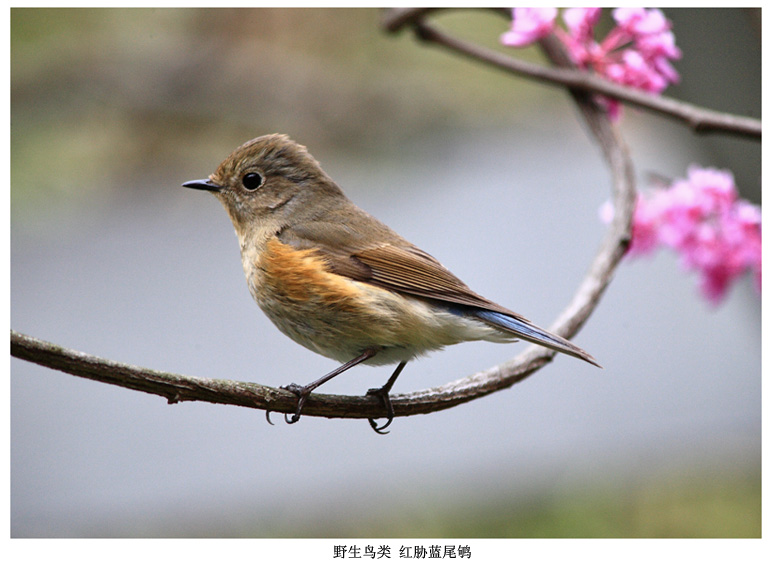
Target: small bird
341 283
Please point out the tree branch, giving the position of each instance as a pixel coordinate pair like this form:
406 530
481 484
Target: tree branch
699 119
176 387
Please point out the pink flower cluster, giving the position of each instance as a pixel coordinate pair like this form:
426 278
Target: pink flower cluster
702 218
529 25
637 52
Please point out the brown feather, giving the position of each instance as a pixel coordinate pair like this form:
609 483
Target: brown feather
394 264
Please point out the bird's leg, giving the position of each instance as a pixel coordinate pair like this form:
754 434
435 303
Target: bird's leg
304 391
383 394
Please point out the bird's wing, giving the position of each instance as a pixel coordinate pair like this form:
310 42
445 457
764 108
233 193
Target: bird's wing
413 271
389 262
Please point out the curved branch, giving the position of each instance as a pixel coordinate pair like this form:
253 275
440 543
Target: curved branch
699 119
176 387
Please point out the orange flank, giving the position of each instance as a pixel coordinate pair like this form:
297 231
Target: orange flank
301 275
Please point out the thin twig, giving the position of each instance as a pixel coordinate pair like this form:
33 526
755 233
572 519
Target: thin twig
700 119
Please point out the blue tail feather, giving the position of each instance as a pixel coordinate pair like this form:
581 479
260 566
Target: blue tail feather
530 332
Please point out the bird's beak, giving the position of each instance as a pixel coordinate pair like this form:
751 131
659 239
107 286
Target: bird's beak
205 184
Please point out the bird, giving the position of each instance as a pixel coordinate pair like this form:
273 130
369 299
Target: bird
339 282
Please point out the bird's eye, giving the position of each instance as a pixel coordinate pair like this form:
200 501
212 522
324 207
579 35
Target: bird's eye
252 180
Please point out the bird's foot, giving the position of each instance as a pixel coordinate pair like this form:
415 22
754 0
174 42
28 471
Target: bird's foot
302 393
383 394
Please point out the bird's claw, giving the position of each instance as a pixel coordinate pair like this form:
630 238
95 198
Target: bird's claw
380 430
383 395
302 395
290 420
294 419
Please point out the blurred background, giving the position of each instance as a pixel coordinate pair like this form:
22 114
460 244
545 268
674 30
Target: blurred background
111 110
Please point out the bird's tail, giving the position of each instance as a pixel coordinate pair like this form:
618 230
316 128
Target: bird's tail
532 333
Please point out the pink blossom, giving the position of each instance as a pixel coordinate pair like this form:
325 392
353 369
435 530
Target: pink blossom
581 21
639 21
636 52
579 40
529 25
703 219
634 70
